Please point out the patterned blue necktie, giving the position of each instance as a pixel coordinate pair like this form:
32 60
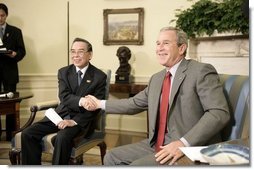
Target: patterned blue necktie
1 33
79 77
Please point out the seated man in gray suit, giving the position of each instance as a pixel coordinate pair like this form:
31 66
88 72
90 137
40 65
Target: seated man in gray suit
74 81
196 109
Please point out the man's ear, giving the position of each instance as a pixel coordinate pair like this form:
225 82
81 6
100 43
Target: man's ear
90 55
182 48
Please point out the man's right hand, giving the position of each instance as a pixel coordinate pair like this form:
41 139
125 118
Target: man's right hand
91 103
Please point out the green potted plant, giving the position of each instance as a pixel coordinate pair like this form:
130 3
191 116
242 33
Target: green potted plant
208 16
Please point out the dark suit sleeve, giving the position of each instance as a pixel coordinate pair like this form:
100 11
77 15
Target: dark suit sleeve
98 90
13 40
66 93
20 48
70 99
93 83
214 105
70 94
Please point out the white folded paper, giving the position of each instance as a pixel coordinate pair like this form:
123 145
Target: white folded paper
193 153
1 42
53 116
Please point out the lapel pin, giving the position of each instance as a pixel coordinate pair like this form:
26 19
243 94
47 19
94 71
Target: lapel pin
88 81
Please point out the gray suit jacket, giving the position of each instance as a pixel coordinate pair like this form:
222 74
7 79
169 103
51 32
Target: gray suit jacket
198 107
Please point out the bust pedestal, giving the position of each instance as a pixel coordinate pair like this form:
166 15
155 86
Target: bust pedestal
124 79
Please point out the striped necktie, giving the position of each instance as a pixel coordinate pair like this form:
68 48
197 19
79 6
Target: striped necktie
79 77
1 33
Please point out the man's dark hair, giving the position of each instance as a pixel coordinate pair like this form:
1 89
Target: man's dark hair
4 8
89 45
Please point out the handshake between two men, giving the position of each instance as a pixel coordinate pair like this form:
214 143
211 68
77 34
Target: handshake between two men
90 103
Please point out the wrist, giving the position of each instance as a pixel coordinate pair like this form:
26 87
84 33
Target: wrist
75 123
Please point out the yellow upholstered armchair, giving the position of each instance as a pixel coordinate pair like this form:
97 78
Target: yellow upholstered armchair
81 144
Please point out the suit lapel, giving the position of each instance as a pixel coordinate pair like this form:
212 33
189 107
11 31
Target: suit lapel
73 79
7 32
179 77
86 81
156 95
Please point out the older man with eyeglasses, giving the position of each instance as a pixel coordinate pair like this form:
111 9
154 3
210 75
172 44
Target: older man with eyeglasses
76 119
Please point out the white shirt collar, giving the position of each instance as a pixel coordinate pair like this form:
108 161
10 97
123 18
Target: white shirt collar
174 68
3 27
83 70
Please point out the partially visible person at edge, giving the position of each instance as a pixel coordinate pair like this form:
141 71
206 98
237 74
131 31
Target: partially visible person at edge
198 109
9 75
12 41
77 120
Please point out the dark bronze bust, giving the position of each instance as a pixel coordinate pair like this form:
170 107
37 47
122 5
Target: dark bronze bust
123 72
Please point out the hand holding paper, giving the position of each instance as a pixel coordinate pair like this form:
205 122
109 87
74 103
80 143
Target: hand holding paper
53 116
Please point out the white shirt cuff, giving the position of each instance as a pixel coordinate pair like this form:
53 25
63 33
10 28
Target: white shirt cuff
103 104
75 122
79 103
185 142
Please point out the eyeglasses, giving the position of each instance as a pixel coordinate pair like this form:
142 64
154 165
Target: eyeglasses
78 52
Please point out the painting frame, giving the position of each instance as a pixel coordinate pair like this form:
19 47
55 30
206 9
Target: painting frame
123 26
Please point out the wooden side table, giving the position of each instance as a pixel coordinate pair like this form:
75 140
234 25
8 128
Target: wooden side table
11 106
132 88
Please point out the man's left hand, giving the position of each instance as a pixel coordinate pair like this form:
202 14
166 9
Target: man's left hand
66 123
170 152
12 54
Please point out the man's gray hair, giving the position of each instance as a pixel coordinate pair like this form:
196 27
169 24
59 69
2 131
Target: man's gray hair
182 37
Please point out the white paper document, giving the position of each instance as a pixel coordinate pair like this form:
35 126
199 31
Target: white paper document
2 48
1 42
53 116
193 153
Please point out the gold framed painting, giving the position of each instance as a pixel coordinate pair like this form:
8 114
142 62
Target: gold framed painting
123 26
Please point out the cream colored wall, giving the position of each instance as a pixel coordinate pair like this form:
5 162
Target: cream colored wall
90 25
44 27
43 24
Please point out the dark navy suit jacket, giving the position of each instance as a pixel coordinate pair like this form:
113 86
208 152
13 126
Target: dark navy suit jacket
12 40
93 83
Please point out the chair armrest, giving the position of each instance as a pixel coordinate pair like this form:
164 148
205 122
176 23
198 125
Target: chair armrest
44 105
35 108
